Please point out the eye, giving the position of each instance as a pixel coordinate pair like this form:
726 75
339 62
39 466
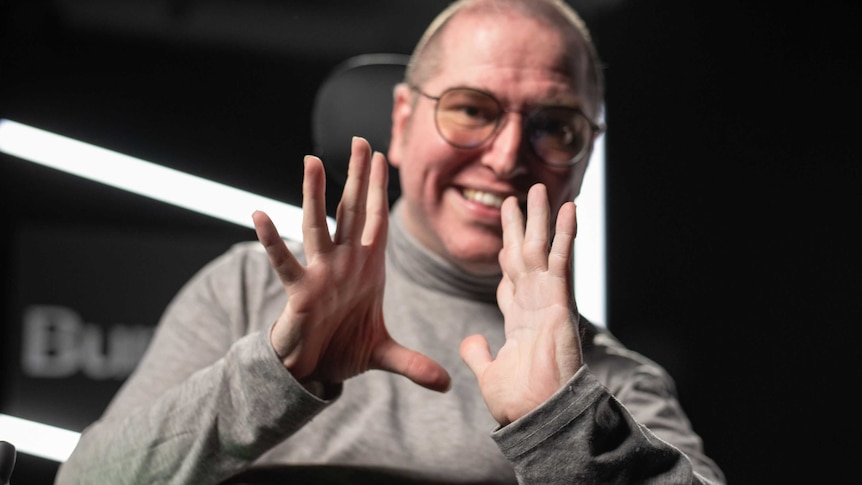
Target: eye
557 133
469 109
559 129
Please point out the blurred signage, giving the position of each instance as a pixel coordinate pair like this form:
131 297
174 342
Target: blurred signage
57 343
82 306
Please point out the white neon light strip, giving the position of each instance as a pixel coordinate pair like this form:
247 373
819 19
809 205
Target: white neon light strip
590 243
236 206
38 439
145 178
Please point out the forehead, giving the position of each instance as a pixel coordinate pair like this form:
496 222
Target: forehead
512 56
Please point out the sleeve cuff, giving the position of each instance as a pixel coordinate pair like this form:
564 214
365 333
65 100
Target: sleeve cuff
539 425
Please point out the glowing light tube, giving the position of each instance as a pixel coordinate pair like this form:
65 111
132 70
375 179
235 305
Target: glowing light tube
146 178
590 253
38 439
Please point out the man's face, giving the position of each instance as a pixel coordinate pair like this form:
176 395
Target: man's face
452 195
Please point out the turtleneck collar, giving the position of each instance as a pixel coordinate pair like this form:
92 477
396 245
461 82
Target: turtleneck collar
417 263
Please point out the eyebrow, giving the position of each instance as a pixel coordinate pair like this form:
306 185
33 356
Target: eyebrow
555 101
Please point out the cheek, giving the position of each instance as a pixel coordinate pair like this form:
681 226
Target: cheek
562 188
429 165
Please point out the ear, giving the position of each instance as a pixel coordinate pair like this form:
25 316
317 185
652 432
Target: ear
402 109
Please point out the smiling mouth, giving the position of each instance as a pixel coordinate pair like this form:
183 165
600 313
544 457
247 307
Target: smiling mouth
484 198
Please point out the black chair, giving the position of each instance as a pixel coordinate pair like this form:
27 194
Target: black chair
8 454
355 99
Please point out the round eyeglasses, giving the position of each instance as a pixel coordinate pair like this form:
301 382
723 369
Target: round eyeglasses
466 118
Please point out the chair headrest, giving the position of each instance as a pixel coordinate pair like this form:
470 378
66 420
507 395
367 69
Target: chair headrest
356 99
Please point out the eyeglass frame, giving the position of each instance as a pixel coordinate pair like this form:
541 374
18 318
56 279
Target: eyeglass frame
597 129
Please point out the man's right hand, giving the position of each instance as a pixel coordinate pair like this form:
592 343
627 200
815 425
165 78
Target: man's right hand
332 327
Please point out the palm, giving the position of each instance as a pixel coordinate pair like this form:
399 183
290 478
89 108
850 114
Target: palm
338 301
542 350
332 327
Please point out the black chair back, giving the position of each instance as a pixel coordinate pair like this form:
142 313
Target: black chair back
355 99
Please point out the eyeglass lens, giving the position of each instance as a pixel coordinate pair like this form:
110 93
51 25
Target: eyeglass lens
467 118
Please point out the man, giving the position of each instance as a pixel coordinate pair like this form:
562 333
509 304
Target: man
330 354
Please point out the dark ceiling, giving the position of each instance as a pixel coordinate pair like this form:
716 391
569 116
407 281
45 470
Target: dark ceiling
218 88
322 29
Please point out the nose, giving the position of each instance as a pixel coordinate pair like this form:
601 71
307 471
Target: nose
505 154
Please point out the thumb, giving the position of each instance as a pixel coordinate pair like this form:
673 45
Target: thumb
419 368
476 354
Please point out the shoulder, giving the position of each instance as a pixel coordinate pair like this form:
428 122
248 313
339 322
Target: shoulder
619 367
238 288
242 273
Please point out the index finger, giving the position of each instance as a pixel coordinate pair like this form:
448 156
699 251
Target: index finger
280 258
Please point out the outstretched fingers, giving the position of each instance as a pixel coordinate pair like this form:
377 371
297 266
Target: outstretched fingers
280 258
536 238
526 244
351 213
512 220
560 257
315 230
377 211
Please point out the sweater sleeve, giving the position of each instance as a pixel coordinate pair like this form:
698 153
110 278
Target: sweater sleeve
584 434
208 398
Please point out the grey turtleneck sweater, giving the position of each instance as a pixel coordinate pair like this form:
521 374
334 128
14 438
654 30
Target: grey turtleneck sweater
210 399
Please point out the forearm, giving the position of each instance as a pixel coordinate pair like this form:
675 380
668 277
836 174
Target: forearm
584 433
209 427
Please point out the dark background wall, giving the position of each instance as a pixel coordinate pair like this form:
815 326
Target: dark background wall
731 170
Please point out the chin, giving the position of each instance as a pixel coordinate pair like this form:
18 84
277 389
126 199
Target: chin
481 270
482 260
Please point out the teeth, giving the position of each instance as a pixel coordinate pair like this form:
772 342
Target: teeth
485 198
